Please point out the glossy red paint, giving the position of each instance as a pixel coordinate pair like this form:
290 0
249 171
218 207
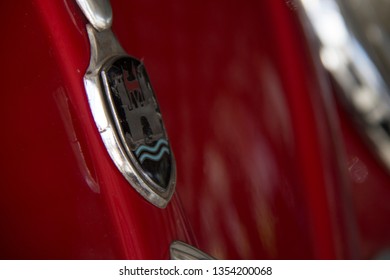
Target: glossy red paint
257 171
370 191
260 159
61 196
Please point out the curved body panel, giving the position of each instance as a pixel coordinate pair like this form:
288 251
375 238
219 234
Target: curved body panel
262 172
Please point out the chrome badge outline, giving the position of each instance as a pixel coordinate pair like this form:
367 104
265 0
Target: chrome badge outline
127 156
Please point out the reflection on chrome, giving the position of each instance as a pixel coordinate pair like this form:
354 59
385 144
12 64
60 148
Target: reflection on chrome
98 13
348 53
182 251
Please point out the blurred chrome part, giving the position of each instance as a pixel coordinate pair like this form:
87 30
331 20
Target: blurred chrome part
182 251
345 55
369 21
98 13
383 255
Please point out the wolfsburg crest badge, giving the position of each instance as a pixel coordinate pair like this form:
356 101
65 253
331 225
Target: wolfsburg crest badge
128 118
138 119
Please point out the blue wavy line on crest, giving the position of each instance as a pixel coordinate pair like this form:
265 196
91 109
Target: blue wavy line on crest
154 157
151 149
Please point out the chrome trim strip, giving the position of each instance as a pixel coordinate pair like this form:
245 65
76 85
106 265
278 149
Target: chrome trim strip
182 251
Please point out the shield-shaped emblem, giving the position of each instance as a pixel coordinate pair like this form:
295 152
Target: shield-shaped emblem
128 118
138 119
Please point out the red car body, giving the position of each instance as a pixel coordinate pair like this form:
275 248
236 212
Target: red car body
269 166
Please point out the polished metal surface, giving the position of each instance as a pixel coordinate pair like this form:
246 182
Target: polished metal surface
369 21
104 50
182 251
98 13
354 49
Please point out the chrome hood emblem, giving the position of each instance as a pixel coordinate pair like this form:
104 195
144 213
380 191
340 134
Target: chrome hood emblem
137 118
128 118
